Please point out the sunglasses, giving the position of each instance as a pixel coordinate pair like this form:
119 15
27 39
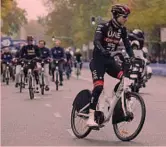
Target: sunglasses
124 16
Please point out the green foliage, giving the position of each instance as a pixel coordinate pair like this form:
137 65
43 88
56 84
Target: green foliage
71 18
13 19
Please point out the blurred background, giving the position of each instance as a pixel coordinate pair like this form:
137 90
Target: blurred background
74 22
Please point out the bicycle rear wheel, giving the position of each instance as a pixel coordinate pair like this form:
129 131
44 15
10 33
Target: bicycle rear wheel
124 134
78 122
31 92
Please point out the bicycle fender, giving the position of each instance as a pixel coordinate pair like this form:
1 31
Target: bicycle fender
82 99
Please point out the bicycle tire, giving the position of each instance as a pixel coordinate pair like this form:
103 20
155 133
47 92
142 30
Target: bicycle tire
73 127
77 73
31 92
140 126
21 83
42 84
56 81
7 77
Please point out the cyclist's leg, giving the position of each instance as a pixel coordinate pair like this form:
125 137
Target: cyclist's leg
114 70
46 75
61 73
4 71
11 70
18 69
97 68
81 65
25 70
36 75
52 70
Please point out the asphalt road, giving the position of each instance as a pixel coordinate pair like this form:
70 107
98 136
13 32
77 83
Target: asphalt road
45 121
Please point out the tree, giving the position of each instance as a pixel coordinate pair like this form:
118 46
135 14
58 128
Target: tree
77 14
6 6
14 19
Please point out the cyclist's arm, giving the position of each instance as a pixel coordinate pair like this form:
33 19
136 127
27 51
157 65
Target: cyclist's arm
22 52
99 37
126 42
63 54
49 53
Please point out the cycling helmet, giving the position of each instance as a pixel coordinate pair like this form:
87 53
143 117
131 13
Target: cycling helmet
139 33
120 10
67 50
78 50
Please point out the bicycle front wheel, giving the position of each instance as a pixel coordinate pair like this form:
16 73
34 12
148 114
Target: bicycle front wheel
21 82
129 129
42 84
7 77
31 92
57 81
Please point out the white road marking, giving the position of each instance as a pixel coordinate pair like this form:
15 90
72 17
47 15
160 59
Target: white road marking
48 105
70 132
57 114
82 78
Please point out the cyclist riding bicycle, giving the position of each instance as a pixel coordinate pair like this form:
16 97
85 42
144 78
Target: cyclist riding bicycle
106 40
30 52
18 64
45 54
6 56
137 38
78 58
58 53
69 59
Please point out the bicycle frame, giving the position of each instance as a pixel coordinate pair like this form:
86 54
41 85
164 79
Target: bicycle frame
57 67
7 72
118 95
30 73
42 69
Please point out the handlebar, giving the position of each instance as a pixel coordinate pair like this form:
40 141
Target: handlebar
122 54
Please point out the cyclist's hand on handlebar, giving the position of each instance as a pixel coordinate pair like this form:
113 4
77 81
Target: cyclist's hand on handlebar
105 52
64 60
51 59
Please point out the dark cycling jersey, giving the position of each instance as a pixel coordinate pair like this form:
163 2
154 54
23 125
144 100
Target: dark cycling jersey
7 57
68 56
58 53
30 52
108 36
45 53
78 57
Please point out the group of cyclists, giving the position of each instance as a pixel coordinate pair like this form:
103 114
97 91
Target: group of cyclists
106 40
37 53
